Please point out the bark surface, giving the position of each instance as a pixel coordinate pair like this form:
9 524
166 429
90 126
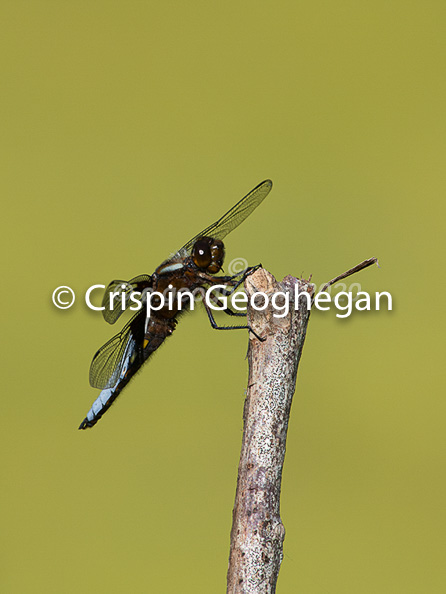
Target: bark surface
257 531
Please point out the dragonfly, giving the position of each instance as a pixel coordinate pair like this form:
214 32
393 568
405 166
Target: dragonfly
192 268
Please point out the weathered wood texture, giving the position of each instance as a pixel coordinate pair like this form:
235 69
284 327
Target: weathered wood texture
257 531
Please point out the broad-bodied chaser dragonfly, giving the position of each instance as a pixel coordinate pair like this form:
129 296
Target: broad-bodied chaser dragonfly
193 267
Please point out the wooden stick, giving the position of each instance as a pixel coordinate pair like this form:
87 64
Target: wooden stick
357 268
257 533
257 530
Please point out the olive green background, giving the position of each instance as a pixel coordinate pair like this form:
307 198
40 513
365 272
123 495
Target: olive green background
127 127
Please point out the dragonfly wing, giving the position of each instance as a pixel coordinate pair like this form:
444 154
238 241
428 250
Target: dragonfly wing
232 219
108 362
113 303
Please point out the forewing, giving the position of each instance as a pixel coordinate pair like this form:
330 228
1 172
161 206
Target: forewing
108 362
111 314
232 219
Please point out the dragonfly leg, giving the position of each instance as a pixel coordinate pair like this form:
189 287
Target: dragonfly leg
231 280
244 273
217 327
227 310
243 276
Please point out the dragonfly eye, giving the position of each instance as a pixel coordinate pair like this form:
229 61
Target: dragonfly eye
201 253
217 256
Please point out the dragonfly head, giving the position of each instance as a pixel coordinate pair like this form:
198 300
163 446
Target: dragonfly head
208 254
